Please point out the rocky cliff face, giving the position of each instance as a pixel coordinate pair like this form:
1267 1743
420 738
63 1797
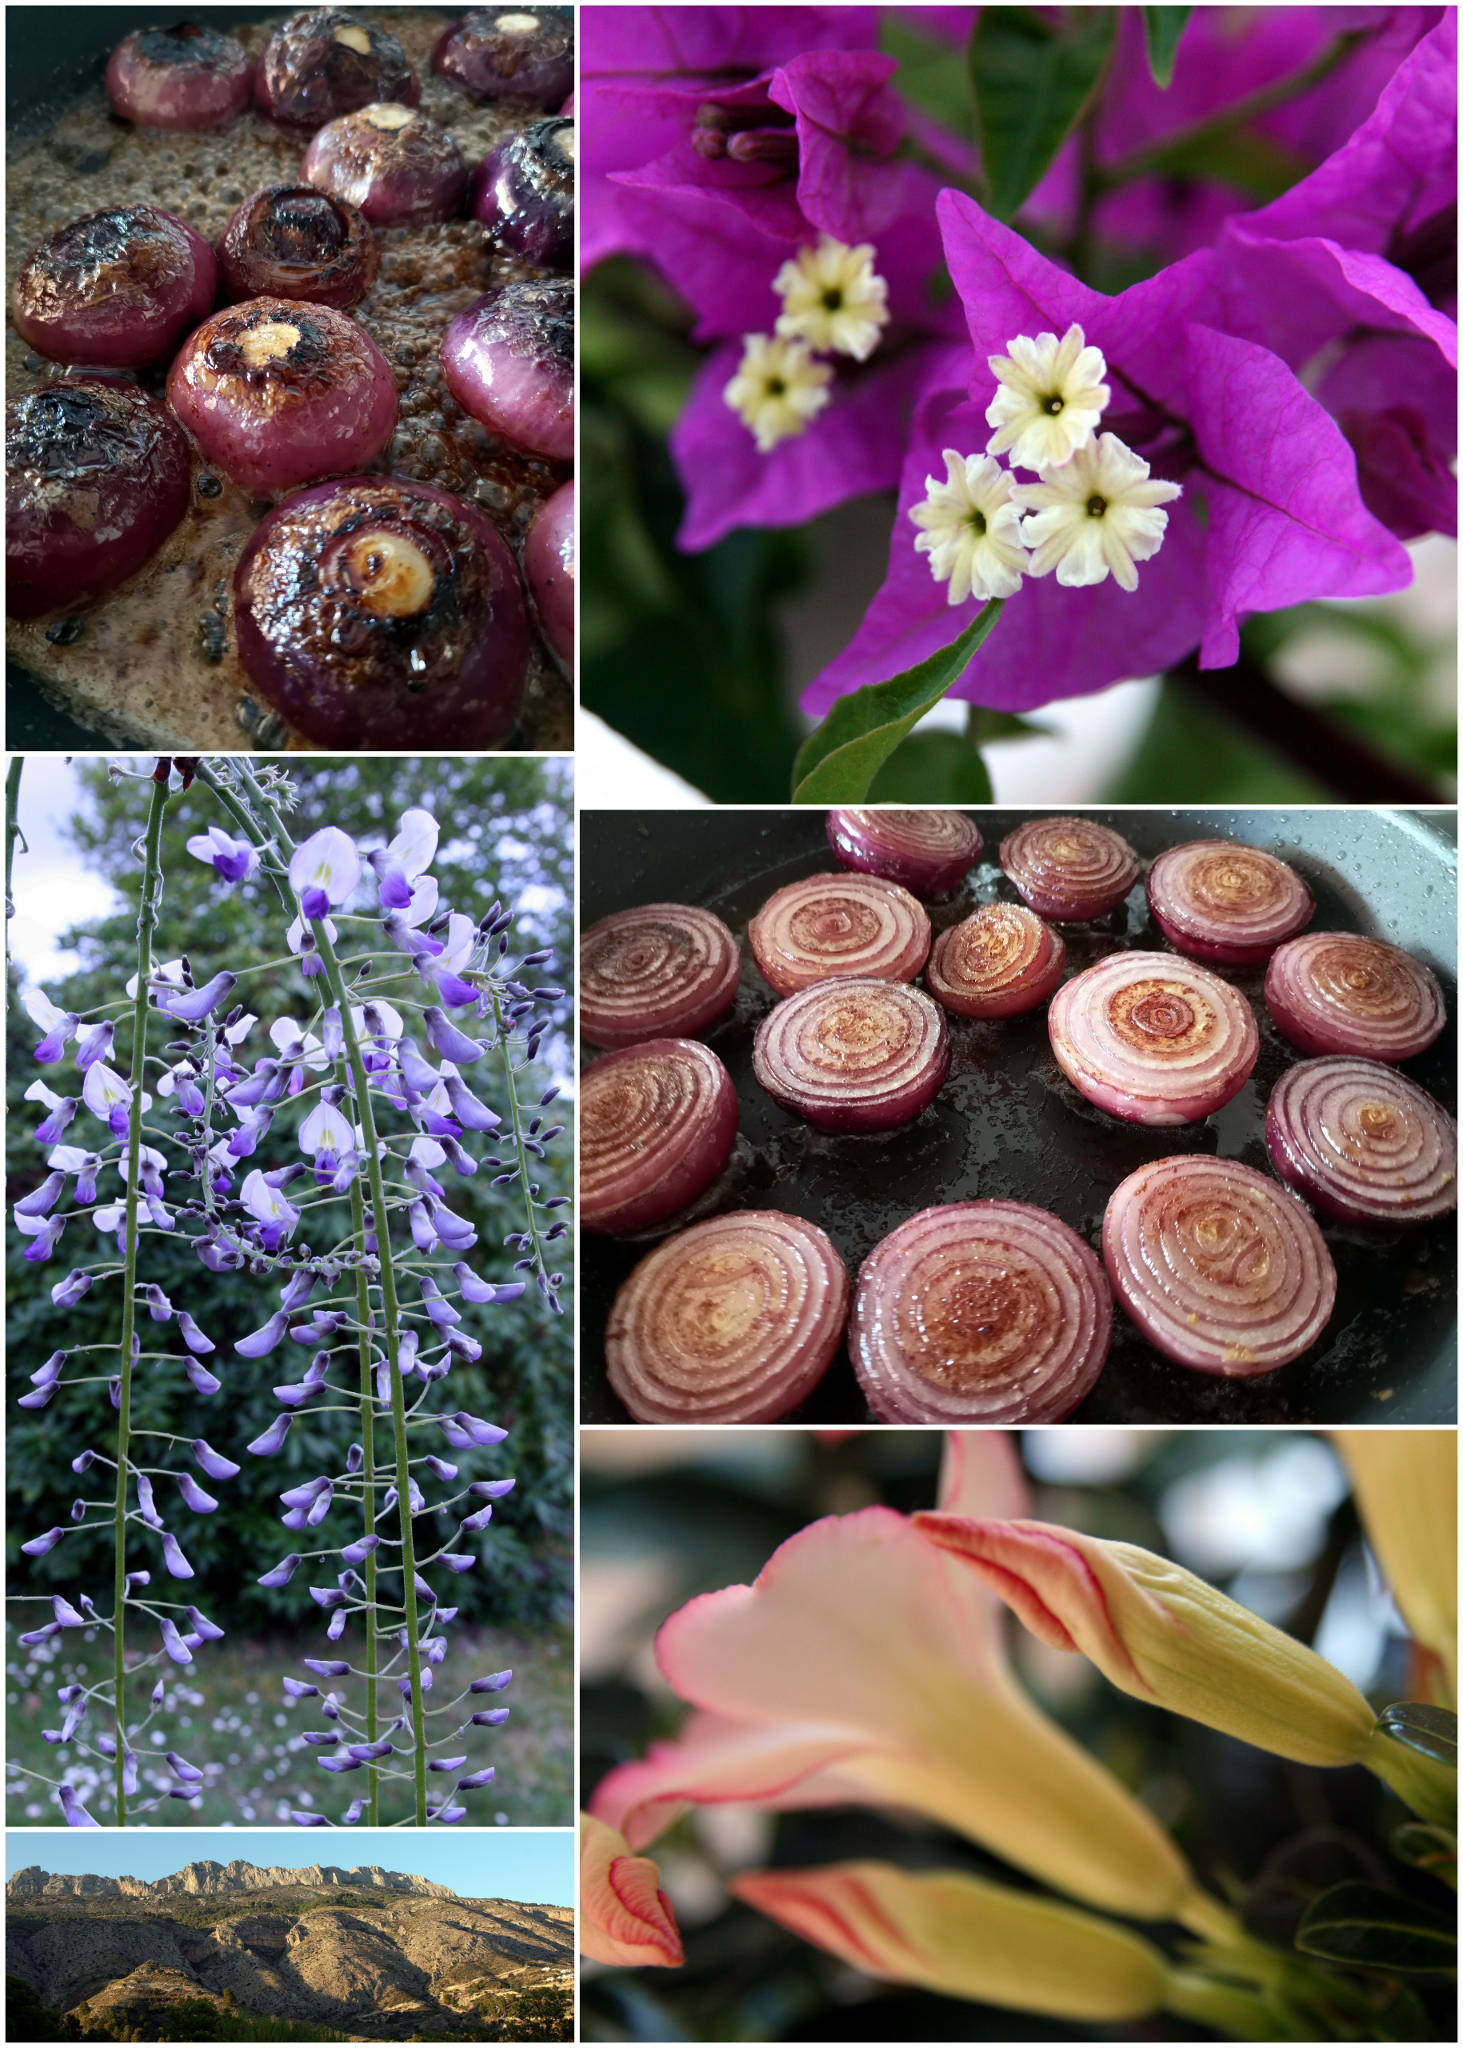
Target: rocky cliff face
206 1878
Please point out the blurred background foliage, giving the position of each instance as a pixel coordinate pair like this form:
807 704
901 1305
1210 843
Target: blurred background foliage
1266 1515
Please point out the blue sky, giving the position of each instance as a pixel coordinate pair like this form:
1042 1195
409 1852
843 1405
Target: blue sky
536 1867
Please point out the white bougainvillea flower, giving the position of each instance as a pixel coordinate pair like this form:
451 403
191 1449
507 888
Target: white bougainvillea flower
972 529
833 298
1049 398
779 387
1096 515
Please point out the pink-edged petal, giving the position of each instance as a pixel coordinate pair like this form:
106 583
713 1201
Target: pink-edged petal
624 1916
980 1474
714 1761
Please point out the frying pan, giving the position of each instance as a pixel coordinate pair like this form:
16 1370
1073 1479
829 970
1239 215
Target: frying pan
1008 1123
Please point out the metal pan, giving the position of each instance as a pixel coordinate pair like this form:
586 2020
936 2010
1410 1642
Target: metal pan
1008 1123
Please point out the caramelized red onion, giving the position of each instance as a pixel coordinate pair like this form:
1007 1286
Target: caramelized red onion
1230 904
325 62
1219 1267
733 1320
1363 1143
548 568
661 970
116 288
292 242
1153 1039
999 962
382 612
523 190
657 1123
186 77
1069 868
96 478
853 1055
508 359
510 52
1339 992
979 1312
930 852
835 925
391 162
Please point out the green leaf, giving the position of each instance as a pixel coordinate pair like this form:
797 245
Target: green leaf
1363 1926
838 761
927 76
1428 1848
1433 1731
982 725
1246 160
1162 27
1032 82
933 768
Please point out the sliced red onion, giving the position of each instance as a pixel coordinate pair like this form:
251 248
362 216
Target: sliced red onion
508 359
186 77
1219 1267
1363 1143
116 288
278 392
523 190
326 62
930 852
1230 904
548 568
1339 992
391 162
733 1320
1069 868
664 970
853 1055
979 1312
830 926
657 1123
292 242
96 478
1152 1038
999 962
510 53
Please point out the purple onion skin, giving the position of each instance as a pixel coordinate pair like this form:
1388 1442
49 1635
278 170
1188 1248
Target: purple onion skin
1292 1165
508 359
854 846
439 668
185 78
97 475
294 242
116 289
524 192
312 71
534 63
393 169
548 564
691 1152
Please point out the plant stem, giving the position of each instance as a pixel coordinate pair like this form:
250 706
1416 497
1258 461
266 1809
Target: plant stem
368 1492
519 1140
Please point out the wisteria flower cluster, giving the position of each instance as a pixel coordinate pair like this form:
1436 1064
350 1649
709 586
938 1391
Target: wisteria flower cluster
247 1140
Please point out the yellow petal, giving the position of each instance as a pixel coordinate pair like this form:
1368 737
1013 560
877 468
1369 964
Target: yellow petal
1406 1486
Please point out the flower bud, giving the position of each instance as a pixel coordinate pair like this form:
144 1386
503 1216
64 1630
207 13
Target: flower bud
624 1916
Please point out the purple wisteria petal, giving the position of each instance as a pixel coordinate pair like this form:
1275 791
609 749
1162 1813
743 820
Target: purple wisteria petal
177 1565
451 1043
308 1820
193 1005
63 1115
476 1779
283 1572
494 1682
201 1379
193 1337
271 1439
202 1626
76 1814
194 1496
491 1717
94 1043
234 859
296 1689
173 1643
259 1343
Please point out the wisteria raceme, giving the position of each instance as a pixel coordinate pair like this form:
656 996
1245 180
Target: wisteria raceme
360 1100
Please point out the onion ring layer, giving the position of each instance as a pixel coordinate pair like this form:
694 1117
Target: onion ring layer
661 970
834 925
999 962
1363 1143
1153 1039
657 1123
853 1055
1340 992
930 852
1069 868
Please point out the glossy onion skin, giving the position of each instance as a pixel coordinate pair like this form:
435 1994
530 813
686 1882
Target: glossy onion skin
294 242
657 1123
323 406
312 71
980 1312
530 59
1220 1267
392 163
1153 1039
1229 904
185 78
1340 992
999 962
1072 869
853 1055
96 478
733 1320
449 676
524 191
508 359
549 567
115 289
662 970
1362 1143
928 852
829 926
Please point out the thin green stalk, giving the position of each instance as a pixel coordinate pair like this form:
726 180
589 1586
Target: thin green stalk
368 1487
519 1135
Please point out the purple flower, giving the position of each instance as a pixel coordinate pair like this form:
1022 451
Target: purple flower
324 871
409 855
44 1237
177 1565
181 1768
65 1613
76 1814
263 1340
271 1439
475 1780
308 1820
146 1503
59 1026
470 1113
200 1377
234 859
327 1667
43 1199
194 1338
491 1489
63 1113
194 1496
451 1043
158 1305
353 1813
477 1430
360 1550
191 1006
340 1763
94 1043
446 1763
66 1293
173 1643
109 1097
202 1626
283 1572
491 1717
296 1689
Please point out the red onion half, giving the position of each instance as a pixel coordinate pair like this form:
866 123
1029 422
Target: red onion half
930 852
835 925
657 1123
1219 1267
998 963
1363 1143
1339 992
733 1320
1152 1038
853 1055
186 77
1230 904
116 288
980 1312
1069 868
662 970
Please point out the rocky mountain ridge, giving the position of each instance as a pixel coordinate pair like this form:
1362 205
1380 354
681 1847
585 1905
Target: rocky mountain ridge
207 1878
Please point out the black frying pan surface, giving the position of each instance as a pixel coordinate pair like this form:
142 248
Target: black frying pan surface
1008 1123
